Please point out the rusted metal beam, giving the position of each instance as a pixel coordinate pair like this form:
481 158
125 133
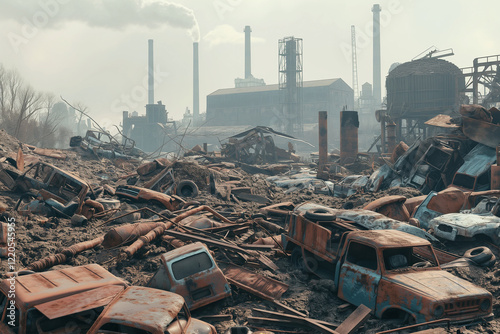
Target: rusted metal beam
225 245
349 124
323 145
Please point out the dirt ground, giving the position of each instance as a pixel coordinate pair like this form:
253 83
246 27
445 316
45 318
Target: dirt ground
37 237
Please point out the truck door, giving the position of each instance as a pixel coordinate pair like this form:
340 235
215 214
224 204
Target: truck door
359 275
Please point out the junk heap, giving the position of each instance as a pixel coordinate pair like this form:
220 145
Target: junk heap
265 248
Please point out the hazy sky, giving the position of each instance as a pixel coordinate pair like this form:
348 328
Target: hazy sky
95 51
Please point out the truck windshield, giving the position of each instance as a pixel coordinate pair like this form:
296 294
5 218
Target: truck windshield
191 265
409 257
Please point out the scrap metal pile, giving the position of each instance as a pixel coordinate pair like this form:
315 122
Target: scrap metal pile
223 247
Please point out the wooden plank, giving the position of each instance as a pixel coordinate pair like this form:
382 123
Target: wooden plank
299 320
354 320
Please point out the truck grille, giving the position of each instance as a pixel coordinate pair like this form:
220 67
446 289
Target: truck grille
462 306
126 191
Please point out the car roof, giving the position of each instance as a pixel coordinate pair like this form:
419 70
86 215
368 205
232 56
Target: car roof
388 238
42 287
190 248
148 308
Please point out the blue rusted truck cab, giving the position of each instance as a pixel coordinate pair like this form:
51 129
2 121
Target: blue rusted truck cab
393 272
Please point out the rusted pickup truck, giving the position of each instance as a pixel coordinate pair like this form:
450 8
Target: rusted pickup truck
394 273
71 300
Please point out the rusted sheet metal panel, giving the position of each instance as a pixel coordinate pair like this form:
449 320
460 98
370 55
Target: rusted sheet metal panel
390 206
264 287
442 256
442 121
79 302
42 287
318 326
482 132
146 308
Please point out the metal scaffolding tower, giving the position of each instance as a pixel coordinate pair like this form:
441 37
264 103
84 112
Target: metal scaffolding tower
354 67
290 84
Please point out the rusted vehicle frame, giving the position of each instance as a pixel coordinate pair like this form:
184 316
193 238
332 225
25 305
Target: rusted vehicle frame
58 184
474 174
199 287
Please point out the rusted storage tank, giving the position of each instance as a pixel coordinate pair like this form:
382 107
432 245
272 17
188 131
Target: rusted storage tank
424 88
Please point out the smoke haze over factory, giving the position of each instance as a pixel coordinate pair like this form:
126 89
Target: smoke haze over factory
95 51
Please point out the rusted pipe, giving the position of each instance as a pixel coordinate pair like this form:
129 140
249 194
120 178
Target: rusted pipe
65 254
323 144
126 233
349 124
199 209
143 240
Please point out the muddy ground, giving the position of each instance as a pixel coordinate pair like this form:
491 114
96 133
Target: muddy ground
37 237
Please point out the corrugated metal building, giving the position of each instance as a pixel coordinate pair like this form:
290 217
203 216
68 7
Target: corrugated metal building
261 105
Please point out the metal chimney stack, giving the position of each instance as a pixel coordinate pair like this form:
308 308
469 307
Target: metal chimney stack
377 91
196 83
151 75
248 53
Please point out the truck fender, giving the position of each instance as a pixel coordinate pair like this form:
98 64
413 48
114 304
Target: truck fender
380 312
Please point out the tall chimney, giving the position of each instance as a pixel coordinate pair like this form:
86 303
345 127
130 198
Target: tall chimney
151 75
248 53
377 92
196 84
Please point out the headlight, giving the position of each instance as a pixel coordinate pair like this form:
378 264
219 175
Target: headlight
438 311
485 305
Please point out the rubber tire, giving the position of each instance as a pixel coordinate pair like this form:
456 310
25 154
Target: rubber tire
484 254
320 214
298 261
187 186
490 263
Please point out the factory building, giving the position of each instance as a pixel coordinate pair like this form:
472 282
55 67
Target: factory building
260 105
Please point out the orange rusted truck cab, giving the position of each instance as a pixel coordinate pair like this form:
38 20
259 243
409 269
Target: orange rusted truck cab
53 300
393 272
144 310
191 272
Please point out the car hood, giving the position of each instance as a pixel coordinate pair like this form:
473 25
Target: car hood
464 220
437 284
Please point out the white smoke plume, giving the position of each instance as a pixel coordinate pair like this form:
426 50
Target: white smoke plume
114 14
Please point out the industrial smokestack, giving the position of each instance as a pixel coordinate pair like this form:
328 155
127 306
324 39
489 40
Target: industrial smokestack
196 84
377 92
248 53
151 75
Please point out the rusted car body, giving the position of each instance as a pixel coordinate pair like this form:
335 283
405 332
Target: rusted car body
102 144
474 174
191 272
33 292
51 182
171 203
467 225
4 232
145 310
366 219
385 271
374 268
